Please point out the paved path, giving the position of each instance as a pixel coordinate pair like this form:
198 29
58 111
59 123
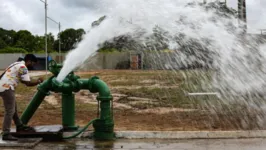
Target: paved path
225 144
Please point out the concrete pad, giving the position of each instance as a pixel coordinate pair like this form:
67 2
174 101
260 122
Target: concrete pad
47 133
185 134
21 143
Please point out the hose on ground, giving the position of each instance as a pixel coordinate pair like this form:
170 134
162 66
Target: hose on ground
80 131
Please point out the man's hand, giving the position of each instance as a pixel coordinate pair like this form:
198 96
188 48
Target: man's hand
40 79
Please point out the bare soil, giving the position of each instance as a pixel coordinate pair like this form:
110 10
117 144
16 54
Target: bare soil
159 103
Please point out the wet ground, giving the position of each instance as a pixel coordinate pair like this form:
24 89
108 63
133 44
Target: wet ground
224 144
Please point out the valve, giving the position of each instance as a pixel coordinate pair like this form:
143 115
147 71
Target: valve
54 68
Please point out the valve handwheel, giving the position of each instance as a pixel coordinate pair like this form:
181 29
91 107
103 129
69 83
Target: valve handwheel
51 65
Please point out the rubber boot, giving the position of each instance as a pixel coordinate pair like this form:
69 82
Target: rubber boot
9 137
24 128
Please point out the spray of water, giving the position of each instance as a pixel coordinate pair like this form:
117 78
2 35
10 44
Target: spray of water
136 15
215 40
235 63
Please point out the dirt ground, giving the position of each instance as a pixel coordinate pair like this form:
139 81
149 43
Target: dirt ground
146 100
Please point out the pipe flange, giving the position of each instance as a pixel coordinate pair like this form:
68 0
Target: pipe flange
107 98
76 86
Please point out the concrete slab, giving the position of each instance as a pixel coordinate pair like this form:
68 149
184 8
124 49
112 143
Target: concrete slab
21 143
185 134
47 133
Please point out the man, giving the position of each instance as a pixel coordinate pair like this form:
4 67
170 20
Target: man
16 72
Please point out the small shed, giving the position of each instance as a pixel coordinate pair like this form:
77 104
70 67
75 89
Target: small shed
41 62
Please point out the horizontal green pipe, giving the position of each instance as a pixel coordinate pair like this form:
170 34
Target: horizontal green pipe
84 83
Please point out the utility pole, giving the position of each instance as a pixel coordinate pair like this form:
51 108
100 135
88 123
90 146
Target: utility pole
242 14
59 47
59 39
263 31
46 63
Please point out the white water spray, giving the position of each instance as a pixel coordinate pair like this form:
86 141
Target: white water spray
234 60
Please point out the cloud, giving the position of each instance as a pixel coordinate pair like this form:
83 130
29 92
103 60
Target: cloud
87 4
29 14
13 17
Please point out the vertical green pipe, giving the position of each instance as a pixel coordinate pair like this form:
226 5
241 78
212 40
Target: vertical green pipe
68 111
103 127
34 104
105 107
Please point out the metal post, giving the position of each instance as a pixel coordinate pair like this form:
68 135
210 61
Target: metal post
242 14
46 63
59 39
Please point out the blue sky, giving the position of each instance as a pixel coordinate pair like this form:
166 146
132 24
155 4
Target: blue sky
29 14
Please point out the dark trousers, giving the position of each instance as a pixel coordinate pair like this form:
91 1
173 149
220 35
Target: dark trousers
10 105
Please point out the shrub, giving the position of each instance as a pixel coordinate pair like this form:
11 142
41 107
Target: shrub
12 50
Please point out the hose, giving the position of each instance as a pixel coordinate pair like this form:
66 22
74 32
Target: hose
81 131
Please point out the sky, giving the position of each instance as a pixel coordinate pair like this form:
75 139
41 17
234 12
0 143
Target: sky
29 14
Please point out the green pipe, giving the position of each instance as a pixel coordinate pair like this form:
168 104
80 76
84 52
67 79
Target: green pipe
43 90
97 85
84 83
81 131
68 111
67 86
104 127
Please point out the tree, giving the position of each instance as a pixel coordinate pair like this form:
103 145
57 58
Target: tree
40 43
2 44
24 39
6 37
69 39
12 50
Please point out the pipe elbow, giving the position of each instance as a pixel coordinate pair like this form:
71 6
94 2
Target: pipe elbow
97 85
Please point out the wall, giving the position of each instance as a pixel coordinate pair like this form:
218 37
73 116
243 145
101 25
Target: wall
104 61
101 60
7 59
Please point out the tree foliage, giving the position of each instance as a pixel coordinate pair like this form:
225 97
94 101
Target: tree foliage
69 39
23 41
12 50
